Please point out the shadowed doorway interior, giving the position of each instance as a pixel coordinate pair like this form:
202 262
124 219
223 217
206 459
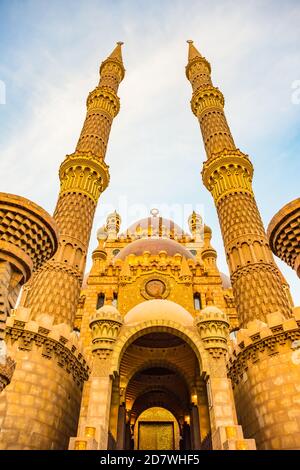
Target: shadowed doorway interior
159 400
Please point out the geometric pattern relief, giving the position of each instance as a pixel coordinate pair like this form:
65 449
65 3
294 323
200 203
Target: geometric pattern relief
239 215
55 291
94 135
74 215
258 290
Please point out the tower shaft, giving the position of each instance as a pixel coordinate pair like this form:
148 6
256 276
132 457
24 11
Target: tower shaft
83 177
257 283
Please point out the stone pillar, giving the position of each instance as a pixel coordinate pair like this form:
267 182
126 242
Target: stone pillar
128 436
114 413
213 328
186 437
195 427
121 427
95 409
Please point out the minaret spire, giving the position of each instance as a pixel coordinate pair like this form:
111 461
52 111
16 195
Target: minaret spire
117 52
83 177
193 52
227 174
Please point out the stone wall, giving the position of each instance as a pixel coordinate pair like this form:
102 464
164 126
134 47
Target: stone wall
265 372
39 409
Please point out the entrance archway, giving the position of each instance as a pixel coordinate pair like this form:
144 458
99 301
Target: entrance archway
159 369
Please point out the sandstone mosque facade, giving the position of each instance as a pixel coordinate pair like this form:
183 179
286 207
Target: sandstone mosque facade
154 348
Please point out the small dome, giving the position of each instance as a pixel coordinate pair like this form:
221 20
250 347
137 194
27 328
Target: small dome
102 233
107 312
212 309
211 313
158 309
207 229
154 246
114 215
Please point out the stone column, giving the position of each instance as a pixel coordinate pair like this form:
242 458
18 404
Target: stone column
121 427
213 328
195 428
186 437
95 409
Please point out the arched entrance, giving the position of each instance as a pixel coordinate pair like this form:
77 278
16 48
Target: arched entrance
159 370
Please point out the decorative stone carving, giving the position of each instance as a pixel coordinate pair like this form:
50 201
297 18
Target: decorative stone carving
155 287
105 326
7 367
262 339
55 342
213 328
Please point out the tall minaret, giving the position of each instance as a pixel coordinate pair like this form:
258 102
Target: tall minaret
83 177
227 174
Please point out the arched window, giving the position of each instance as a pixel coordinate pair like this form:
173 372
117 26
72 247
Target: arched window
197 301
115 300
100 300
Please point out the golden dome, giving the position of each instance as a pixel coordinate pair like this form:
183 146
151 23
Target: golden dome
158 309
154 246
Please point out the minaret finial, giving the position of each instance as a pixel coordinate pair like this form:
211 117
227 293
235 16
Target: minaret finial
117 52
116 58
193 52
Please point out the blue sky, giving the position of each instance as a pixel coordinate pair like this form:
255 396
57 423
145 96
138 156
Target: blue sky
49 60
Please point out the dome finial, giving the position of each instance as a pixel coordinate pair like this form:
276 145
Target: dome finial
154 212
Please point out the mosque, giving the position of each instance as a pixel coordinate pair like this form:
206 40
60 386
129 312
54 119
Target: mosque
154 348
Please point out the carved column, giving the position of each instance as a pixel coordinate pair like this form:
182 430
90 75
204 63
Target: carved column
213 328
95 409
121 427
195 428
